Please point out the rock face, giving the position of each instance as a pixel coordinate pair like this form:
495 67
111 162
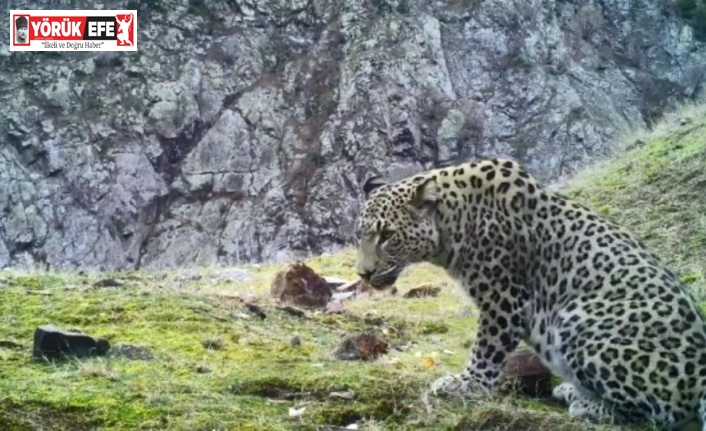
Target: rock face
241 131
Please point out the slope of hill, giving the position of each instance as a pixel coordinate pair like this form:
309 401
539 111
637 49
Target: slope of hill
657 189
217 366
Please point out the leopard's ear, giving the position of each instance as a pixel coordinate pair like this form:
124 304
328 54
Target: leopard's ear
427 192
372 183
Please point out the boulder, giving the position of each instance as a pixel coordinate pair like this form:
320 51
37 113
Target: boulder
108 282
51 342
526 373
301 286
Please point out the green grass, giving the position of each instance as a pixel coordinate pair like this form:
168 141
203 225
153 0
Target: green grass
656 189
256 375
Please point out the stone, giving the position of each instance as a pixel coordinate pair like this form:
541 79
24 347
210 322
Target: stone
299 285
365 347
526 373
52 342
203 369
343 395
108 282
295 341
131 352
335 306
256 310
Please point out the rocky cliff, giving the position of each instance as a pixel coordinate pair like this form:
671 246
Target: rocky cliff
242 130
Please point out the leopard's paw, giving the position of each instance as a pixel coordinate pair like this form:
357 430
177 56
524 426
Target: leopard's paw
566 393
458 386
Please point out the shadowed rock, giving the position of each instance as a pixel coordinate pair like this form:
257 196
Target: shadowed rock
108 282
364 347
51 342
526 373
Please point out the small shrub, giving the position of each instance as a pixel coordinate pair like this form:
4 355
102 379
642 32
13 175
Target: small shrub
694 12
590 20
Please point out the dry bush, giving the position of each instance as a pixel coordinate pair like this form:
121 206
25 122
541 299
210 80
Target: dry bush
590 20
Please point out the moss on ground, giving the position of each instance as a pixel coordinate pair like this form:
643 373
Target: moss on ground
256 376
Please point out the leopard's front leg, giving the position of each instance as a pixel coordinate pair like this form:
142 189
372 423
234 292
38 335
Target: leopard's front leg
498 335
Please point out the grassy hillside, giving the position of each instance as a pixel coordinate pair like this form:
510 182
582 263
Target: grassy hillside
657 189
255 375
218 366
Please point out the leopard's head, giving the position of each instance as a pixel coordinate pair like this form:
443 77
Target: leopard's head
397 227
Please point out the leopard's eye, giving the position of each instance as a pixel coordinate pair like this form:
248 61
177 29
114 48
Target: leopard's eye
386 235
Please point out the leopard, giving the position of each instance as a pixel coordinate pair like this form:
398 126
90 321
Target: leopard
596 305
